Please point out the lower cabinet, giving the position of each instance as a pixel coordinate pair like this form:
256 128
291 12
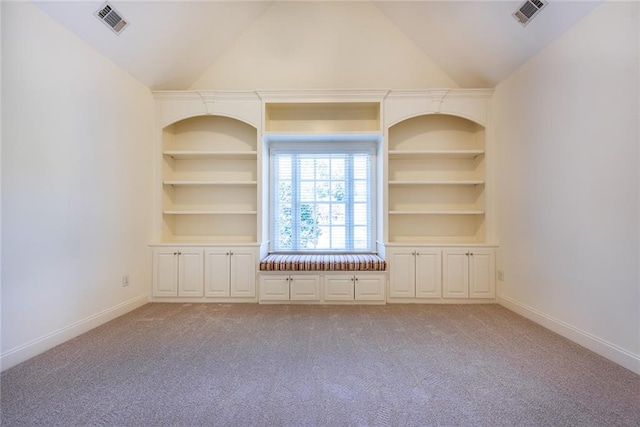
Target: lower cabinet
415 272
197 272
355 287
289 287
441 273
468 273
328 287
230 272
178 272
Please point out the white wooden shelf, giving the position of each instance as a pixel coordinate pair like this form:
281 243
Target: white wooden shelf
321 135
210 183
412 154
438 182
207 212
210 240
436 212
435 240
202 154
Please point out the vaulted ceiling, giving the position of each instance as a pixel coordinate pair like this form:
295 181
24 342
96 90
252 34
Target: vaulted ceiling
171 44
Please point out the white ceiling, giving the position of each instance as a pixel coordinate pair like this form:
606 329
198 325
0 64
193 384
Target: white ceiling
169 44
479 43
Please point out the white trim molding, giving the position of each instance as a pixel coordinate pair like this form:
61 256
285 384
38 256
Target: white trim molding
37 346
605 349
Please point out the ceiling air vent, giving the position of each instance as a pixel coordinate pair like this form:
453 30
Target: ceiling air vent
528 10
111 18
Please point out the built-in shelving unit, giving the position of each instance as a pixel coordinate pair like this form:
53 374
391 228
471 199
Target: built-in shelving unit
436 180
433 191
322 117
210 180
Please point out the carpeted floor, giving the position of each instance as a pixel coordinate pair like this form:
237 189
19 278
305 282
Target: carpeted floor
393 365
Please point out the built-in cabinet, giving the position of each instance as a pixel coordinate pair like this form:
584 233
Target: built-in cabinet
178 272
438 274
230 272
332 287
437 210
433 211
415 272
204 272
208 198
355 287
290 287
468 273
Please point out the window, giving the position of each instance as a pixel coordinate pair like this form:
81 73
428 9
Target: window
322 196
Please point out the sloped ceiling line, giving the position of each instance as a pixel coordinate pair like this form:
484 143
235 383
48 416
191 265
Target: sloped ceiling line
172 44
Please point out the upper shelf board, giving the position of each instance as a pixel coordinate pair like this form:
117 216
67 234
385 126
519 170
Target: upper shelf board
195 154
438 182
412 154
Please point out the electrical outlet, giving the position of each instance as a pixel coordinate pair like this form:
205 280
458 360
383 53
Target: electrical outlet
125 280
501 275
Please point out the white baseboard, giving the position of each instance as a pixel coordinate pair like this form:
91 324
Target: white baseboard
597 345
26 351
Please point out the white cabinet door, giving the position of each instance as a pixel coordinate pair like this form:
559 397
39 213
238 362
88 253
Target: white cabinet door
402 273
190 273
370 287
217 273
243 273
428 273
455 274
274 288
165 272
304 288
339 287
482 273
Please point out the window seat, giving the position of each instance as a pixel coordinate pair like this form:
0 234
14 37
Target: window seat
323 262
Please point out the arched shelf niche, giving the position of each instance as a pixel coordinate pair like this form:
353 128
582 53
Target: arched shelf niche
436 180
210 181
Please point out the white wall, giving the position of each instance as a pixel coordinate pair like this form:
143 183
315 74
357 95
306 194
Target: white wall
567 177
320 45
76 183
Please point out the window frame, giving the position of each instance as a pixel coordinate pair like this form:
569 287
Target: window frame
323 144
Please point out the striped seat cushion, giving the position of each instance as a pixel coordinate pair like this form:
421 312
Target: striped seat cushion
323 262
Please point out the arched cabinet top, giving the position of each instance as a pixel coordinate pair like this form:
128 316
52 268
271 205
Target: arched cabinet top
432 122
443 116
185 119
175 106
469 104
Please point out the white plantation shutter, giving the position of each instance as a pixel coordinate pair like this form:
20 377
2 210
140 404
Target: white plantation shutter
322 197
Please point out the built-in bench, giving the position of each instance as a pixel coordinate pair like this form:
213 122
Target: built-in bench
323 262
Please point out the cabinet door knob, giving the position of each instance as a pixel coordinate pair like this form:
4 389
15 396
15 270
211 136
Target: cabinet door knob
175 253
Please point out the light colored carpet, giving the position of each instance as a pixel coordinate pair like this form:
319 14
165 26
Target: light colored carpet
393 365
